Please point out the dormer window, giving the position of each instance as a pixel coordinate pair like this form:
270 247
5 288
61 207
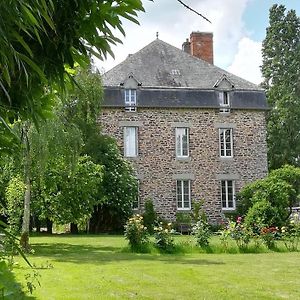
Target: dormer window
130 100
224 102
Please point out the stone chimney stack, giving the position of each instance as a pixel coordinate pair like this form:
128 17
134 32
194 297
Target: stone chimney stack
200 45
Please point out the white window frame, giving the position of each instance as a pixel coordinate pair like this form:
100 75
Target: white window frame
133 139
179 141
225 183
180 197
130 100
223 145
224 100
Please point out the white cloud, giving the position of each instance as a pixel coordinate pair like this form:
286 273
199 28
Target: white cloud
247 60
175 23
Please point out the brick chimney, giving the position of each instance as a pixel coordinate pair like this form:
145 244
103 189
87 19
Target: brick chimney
200 45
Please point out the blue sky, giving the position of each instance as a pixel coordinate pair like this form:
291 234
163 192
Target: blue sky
238 26
257 13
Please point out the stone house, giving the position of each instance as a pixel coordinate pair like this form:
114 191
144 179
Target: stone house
191 130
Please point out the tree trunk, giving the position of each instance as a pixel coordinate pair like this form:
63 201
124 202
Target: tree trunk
49 225
37 224
74 228
24 241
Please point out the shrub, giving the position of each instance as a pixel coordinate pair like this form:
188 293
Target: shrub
261 214
183 222
277 192
198 212
290 234
202 233
149 216
240 233
163 237
225 236
269 236
136 233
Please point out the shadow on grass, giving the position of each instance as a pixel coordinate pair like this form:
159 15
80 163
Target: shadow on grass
83 254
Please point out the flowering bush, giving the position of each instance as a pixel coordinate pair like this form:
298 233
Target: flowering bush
291 233
136 233
224 237
202 233
239 233
163 237
269 235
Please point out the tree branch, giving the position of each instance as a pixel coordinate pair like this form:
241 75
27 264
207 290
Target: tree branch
186 6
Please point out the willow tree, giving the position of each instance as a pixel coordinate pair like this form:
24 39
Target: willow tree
281 73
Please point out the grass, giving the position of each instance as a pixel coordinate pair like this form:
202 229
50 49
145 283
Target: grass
101 267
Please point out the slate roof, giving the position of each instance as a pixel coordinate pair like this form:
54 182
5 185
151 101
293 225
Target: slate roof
161 65
186 98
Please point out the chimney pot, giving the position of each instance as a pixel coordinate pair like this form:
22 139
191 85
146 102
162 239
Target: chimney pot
186 46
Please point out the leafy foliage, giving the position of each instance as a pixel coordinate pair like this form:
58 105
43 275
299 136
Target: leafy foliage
201 232
281 72
149 216
119 185
136 233
163 237
39 39
15 202
291 233
268 201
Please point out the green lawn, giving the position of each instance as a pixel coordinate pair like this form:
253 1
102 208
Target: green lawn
97 267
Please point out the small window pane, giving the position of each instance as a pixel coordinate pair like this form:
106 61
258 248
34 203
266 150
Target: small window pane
182 142
183 194
130 100
227 194
225 137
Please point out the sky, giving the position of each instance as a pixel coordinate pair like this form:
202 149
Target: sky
238 26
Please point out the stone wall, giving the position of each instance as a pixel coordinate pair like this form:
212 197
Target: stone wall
157 166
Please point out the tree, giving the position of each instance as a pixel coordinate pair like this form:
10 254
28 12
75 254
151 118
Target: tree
39 39
281 72
119 185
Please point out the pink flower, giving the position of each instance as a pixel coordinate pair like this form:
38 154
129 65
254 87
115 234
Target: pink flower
239 220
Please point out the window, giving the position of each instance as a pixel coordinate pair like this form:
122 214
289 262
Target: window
228 194
182 142
183 194
130 100
224 102
130 142
226 144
